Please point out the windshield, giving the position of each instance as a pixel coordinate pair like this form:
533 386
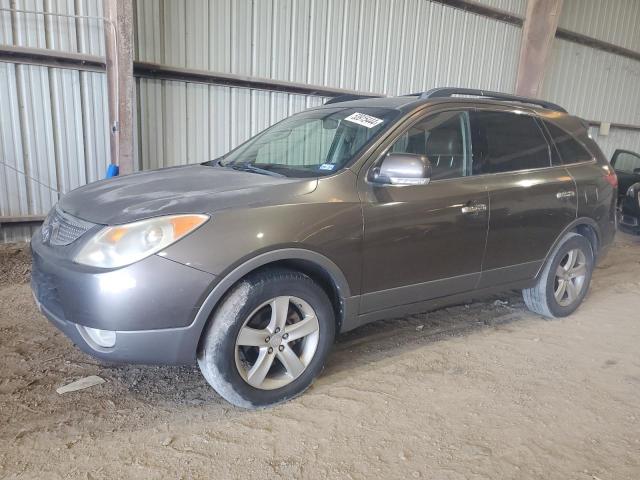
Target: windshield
310 144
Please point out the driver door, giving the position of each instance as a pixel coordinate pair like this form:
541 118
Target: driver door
424 241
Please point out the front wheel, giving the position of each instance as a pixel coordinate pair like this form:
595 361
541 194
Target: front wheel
268 339
565 279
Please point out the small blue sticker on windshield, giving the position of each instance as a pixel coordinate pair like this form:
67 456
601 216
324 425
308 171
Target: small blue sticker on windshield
327 166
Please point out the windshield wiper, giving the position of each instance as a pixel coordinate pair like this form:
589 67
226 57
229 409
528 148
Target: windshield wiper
248 167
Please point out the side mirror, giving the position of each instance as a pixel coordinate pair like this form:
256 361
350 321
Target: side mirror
403 169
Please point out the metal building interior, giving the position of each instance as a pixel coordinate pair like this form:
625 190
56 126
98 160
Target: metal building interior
481 389
209 74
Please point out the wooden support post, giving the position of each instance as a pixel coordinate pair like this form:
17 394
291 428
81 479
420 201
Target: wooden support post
118 33
537 37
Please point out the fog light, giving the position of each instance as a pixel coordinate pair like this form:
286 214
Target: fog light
102 338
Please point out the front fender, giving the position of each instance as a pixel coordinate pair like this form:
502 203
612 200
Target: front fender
332 229
349 303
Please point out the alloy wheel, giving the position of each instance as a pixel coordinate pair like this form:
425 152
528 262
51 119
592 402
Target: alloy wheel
277 342
570 277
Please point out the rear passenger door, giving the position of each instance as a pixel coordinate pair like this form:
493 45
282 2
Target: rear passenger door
531 201
578 153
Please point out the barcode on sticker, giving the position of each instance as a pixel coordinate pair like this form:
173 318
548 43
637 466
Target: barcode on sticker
364 120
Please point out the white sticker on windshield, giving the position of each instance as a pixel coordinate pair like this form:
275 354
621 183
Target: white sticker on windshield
327 166
364 120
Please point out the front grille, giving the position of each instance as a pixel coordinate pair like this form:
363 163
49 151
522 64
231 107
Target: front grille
63 229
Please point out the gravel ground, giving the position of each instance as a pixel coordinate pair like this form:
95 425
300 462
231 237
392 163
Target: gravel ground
15 264
480 391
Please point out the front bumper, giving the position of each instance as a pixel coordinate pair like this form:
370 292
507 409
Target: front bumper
151 305
170 346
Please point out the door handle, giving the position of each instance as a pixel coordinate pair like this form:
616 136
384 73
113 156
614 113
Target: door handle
566 194
474 208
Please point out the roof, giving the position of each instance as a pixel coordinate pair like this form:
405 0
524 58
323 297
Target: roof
444 95
397 103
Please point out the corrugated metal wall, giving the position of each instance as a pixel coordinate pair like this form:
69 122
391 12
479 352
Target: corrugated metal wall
595 84
53 122
613 21
384 46
617 138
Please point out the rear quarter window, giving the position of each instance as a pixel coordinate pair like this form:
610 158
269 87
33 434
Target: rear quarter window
570 150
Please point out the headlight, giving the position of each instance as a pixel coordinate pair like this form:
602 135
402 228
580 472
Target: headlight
122 245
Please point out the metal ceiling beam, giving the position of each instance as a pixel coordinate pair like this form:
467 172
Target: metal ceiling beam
484 10
166 72
51 58
22 219
564 34
76 61
561 33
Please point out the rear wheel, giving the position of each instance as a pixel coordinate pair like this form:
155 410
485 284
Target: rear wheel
565 279
268 339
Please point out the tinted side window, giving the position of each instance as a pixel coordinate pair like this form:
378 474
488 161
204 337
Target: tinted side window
507 142
443 139
570 149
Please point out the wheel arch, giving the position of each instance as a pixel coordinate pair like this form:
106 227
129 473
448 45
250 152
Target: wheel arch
585 226
320 268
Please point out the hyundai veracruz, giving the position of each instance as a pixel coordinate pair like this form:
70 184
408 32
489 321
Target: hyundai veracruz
358 210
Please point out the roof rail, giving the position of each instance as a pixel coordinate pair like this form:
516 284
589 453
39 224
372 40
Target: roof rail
348 97
472 92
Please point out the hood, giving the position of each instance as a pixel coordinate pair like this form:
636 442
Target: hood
189 189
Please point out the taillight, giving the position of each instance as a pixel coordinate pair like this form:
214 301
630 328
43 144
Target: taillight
611 177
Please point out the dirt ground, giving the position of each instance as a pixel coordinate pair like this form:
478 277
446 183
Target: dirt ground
480 391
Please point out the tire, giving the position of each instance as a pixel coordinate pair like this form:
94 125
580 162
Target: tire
250 374
543 298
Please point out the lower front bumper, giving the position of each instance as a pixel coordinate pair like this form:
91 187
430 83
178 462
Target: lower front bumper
151 305
170 346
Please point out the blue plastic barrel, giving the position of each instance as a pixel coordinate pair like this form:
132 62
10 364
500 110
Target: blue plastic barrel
112 171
